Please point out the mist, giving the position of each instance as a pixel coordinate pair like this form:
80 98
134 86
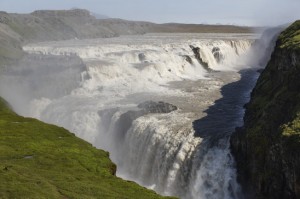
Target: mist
34 77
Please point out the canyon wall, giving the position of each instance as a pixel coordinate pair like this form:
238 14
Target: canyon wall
267 147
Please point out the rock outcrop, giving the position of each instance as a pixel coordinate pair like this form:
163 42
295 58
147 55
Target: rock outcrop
196 51
148 107
267 147
156 107
217 54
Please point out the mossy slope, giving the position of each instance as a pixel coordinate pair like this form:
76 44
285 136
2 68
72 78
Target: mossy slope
290 38
39 160
267 148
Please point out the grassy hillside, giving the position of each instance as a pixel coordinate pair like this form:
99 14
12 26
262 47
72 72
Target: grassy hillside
290 38
39 160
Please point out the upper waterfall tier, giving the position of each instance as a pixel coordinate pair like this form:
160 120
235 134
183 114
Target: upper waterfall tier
144 63
214 49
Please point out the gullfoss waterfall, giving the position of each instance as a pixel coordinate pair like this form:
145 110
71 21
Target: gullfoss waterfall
163 105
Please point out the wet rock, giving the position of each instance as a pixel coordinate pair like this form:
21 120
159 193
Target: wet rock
125 121
188 59
217 54
157 107
142 57
196 51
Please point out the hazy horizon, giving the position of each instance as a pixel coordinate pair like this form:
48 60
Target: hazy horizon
232 12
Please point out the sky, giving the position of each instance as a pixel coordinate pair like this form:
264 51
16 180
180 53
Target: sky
237 12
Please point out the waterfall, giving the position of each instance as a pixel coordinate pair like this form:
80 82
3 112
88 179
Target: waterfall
95 89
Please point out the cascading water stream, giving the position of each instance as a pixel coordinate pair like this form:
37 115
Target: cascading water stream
111 100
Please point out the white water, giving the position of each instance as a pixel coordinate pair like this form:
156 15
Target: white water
158 150
115 66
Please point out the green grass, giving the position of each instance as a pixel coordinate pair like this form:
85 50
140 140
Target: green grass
290 38
39 160
291 136
292 128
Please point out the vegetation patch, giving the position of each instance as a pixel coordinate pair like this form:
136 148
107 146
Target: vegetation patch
39 160
290 38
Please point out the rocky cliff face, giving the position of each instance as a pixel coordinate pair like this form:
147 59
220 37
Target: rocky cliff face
267 147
